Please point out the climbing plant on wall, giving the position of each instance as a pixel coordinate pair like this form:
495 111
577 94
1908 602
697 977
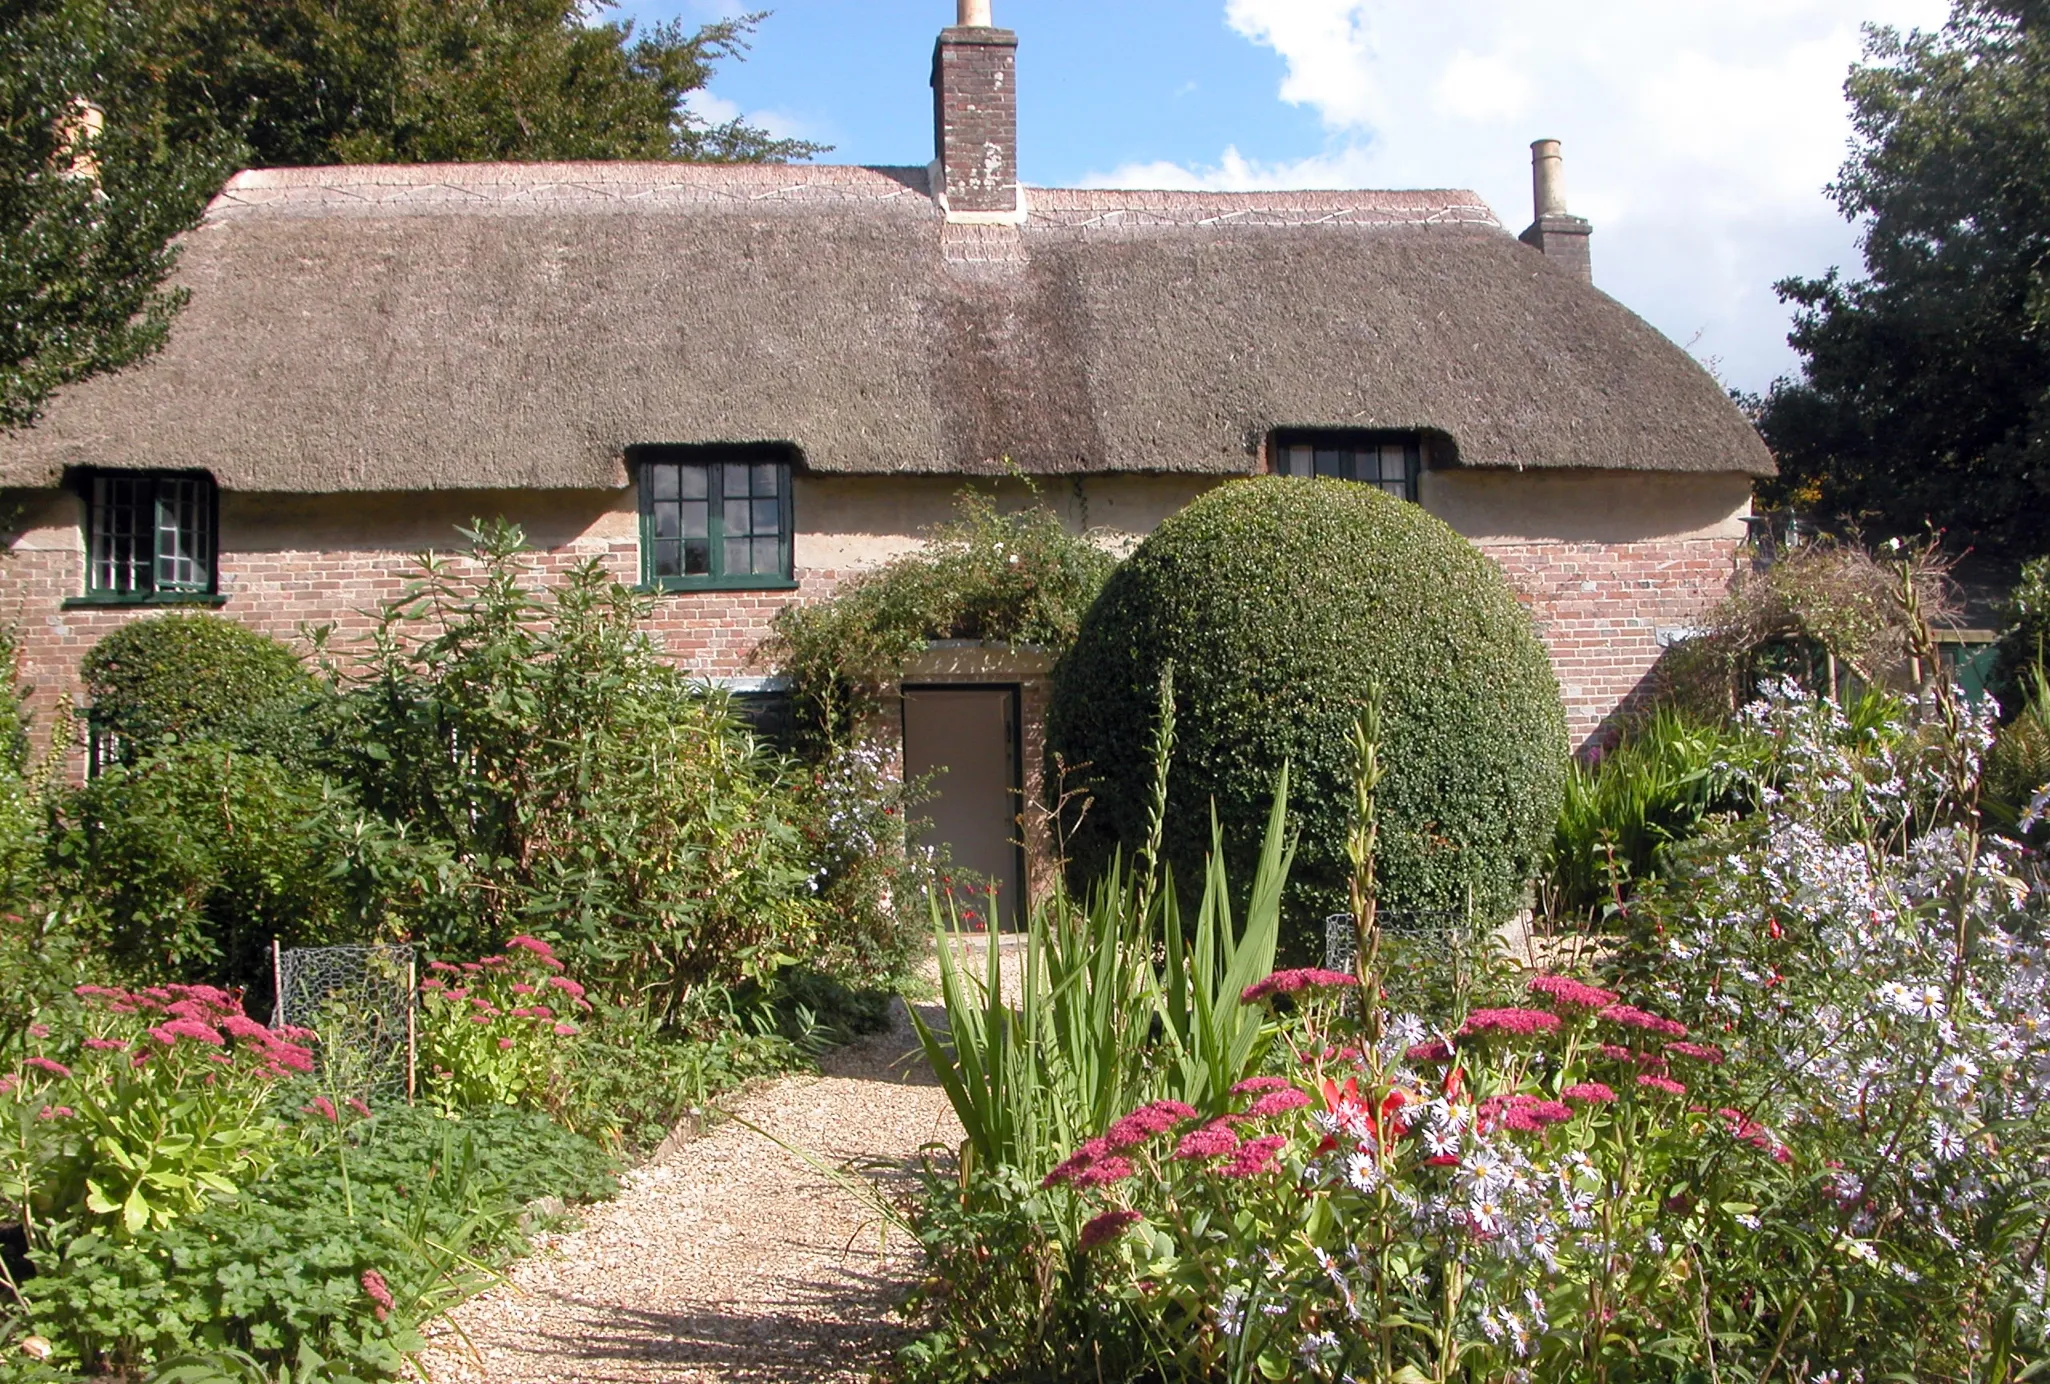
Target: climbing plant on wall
1017 577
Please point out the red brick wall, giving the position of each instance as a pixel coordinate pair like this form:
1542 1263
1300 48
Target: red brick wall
1600 607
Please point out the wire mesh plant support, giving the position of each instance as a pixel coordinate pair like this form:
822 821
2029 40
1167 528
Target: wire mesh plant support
1424 951
360 1001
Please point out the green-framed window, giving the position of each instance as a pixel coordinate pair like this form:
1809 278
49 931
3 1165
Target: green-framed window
150 535
1391 461
714 518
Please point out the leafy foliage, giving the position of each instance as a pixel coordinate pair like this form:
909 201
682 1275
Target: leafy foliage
427 81
1622 810
1925 391
188 863
2025 635
577 777
1008 578
416 1198
1280 603
86 219
190 676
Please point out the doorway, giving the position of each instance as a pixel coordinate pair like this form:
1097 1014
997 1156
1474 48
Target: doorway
966 738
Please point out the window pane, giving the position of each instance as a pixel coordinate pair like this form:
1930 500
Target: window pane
765 478
737 564
662 482
735 482
1333 462
1394 462
1298 462
768 556
768 516
696 518
1399 489
692 479
668 520
668 558
697 557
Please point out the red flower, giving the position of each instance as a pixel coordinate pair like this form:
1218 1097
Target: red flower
1663 1083
1101 1230
321 1106
1145 1122
1211 1141
1588 1093
1278 1103
1254 1157
1437 1050
1253 1085
1522 1023
1700 1052
1574 994
58 1069
1290 982
375 1288
1631 1017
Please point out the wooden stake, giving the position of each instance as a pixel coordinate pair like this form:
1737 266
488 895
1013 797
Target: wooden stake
412 1032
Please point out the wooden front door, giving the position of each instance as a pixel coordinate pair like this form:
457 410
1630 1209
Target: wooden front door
966 738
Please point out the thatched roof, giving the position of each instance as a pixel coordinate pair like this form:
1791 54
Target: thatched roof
520 325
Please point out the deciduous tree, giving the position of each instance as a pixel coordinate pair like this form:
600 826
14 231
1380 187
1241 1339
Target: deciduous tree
1925 392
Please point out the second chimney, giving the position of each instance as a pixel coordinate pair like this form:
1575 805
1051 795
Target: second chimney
975 116
1553 230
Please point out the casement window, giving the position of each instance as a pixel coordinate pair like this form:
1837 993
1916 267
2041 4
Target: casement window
714 518
1392 461
150 536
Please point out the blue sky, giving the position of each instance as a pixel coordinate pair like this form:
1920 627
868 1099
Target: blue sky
1699 134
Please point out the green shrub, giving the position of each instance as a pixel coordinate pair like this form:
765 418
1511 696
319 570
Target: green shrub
583 786
2025 641
1282 605
189 861
182 676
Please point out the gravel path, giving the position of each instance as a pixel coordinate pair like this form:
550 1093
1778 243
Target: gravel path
728 1258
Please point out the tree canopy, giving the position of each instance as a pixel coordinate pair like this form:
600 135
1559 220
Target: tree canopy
184 91
1925 392
428 81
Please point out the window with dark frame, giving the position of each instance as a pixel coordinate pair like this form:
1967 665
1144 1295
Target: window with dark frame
150 535
714 518
1387 460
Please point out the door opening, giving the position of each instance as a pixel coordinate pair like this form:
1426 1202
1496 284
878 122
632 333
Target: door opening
966 738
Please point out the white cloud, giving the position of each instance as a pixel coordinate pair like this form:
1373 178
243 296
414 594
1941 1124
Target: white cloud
1698 133
714 109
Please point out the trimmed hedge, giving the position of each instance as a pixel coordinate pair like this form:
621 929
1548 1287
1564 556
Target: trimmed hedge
1280 603
185 676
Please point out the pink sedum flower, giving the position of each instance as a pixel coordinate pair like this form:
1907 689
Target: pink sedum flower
1589 1093
1211 1141
1101 1230
47 1066
1253 1085
1255 1156
1632 1017
1662 1083
1700 1052
1570 993
1294 981
1104 1171
1278 1103
1518 1023
379 1293
1146 1122
323 1107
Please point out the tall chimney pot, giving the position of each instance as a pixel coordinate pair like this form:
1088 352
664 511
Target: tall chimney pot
1554 231
975 118
1547 179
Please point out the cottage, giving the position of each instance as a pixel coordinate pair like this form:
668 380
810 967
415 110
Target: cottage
736 385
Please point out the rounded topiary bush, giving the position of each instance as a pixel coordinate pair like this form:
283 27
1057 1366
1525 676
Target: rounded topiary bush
186 676
1282 604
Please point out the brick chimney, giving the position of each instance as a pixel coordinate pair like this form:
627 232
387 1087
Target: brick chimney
1553 230
975 119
